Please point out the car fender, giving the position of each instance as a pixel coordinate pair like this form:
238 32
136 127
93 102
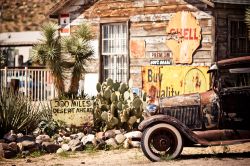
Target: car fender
183 129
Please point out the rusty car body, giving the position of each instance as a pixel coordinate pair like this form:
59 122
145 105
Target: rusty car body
220 116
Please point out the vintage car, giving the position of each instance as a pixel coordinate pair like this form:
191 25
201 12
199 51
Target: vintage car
220 116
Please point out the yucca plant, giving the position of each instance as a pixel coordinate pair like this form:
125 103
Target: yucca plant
78 47
2 59
17 113
247 20
48 52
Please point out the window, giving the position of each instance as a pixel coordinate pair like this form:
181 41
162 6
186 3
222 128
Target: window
115 51
239 43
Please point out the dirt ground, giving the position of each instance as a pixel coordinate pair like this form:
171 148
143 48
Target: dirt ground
232 155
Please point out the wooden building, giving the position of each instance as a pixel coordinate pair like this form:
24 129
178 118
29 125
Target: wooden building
164 47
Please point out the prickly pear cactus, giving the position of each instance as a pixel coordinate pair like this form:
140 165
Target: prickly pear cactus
116 107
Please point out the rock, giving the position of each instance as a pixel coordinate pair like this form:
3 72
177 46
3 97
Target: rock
6 151
126 143
19 135
109 134
50 147
36 132
13 146
133 134
66 139
73 136
111 142
120 138
42 138
88 139
99 135
77 148
26 138
135 144
20 146
74 142
27 145
80 135
60 150
10 136
65 147
59 139
118 132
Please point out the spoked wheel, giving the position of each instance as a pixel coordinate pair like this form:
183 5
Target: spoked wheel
161 141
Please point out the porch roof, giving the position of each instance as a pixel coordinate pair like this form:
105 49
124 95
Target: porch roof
28 38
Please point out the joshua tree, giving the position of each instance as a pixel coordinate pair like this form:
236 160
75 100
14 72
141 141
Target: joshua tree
247 20
52 52
78 47
48 53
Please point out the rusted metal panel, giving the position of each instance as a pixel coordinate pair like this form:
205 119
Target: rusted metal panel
187 34
151 79
137 48
208 97
182 100
175 80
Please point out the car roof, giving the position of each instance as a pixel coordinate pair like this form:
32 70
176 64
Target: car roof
239 62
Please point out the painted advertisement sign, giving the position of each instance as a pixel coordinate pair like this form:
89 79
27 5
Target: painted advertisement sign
185 37
64 25
72 112
167 81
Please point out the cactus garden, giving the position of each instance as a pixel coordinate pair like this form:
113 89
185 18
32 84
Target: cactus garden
116 107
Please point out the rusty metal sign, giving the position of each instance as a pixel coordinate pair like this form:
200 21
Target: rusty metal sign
167 81
137 48
184 37
72 112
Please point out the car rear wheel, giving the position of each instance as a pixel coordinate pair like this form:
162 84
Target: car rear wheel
161 141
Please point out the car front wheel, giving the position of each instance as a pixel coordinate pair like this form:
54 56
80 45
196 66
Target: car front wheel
161 141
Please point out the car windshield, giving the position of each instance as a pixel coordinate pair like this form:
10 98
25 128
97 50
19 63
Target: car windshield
237 77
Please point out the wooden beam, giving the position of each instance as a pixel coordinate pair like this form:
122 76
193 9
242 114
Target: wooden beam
208 2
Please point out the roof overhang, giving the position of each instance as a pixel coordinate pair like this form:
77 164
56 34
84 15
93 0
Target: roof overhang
239 2
54 11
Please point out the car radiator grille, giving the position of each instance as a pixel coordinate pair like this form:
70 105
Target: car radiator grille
190 115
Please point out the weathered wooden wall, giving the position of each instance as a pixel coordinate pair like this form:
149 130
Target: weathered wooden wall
148 20
222 13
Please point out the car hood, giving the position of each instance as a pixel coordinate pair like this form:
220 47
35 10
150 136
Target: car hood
188 99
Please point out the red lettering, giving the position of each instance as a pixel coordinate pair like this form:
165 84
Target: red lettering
186 33
172 30
190 34
195 37
179 32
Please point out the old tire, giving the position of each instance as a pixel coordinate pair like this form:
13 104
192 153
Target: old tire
161 141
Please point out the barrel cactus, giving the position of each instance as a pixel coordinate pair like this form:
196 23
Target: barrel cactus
116 107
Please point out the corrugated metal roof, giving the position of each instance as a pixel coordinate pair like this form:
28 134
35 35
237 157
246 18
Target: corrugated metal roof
20 38
243 2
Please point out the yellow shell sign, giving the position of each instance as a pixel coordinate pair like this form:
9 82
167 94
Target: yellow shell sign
184 36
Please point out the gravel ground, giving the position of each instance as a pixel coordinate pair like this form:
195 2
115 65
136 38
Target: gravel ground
233 155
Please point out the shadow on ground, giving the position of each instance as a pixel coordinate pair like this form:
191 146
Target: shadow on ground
215 155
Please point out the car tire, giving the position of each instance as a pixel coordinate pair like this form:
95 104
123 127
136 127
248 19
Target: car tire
161 141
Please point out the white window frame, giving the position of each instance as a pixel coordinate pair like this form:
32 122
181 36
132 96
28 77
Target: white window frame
114 51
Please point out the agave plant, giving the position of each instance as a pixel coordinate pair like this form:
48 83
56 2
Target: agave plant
48 52
17 113
78 46
247 20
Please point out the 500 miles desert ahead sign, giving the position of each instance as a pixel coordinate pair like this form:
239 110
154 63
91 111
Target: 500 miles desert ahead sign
72 112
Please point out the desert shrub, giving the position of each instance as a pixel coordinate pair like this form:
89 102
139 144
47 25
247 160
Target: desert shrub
18 113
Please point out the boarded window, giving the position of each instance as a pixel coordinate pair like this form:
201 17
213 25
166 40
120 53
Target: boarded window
239 43
115 51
